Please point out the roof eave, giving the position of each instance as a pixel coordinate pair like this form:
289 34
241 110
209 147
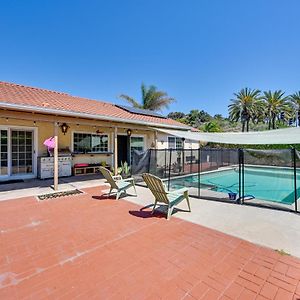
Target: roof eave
52 111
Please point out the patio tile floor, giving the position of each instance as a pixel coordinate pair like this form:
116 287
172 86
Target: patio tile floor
90 247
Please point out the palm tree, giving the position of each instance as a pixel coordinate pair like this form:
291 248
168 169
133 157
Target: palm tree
275 103
295 101
245 107
152 99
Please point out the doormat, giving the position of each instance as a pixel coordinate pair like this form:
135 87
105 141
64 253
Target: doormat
59 194
11 181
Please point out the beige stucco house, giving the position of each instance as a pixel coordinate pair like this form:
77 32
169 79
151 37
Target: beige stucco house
88 132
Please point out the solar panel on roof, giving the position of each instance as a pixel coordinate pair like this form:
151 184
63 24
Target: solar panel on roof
139 111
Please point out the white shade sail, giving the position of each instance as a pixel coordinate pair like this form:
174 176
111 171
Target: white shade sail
287 136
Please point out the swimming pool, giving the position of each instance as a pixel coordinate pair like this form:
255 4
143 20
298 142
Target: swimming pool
264 183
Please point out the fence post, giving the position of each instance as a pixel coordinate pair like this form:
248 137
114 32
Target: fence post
240 173
191 166
243 176
295 178
170 161
165 173
183 153
222 158
149 163
199 162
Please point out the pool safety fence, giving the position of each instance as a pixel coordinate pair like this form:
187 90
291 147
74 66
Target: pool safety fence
268 178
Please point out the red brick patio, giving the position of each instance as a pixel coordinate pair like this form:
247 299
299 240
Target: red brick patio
90 247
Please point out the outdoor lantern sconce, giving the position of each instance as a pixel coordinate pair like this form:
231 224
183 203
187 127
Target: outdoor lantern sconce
64 128
129 132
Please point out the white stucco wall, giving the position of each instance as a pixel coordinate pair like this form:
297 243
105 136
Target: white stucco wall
162 142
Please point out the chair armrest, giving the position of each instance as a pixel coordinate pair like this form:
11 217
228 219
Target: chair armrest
128 179
117 177
179 191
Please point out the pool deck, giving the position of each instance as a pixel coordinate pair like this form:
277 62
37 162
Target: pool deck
89 246
34 187
267 227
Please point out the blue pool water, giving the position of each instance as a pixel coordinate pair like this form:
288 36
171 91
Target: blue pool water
269 184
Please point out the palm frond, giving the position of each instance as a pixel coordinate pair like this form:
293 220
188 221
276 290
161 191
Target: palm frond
130 100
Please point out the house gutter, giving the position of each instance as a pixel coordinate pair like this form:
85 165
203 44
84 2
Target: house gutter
52 111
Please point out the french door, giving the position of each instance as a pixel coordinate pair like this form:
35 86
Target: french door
3 152
16 152
21 152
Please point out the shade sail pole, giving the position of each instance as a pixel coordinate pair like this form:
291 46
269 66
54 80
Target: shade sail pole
55 175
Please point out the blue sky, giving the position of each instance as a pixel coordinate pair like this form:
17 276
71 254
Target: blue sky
199 51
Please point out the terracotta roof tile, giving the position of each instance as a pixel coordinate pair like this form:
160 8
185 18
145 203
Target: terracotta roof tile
42 98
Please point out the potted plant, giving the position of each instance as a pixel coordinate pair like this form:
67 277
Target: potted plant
119 170
125 170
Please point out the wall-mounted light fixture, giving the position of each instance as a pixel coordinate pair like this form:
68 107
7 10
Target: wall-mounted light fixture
64 128
129 132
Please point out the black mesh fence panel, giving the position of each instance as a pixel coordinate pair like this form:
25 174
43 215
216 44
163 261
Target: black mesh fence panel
246 176
219 177
268 178
140 162
297 178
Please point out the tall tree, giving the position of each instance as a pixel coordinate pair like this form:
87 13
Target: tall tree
295 100
152 99
218 117
275 103
196 118
245 107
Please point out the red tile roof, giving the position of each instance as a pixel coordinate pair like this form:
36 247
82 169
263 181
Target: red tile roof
41 98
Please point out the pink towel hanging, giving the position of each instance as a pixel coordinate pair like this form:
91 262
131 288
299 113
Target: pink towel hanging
50 144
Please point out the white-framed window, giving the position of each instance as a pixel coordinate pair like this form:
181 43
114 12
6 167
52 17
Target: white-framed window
136 143
175 142
90 143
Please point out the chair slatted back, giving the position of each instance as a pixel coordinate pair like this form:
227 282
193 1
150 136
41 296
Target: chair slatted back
107 175
157 187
